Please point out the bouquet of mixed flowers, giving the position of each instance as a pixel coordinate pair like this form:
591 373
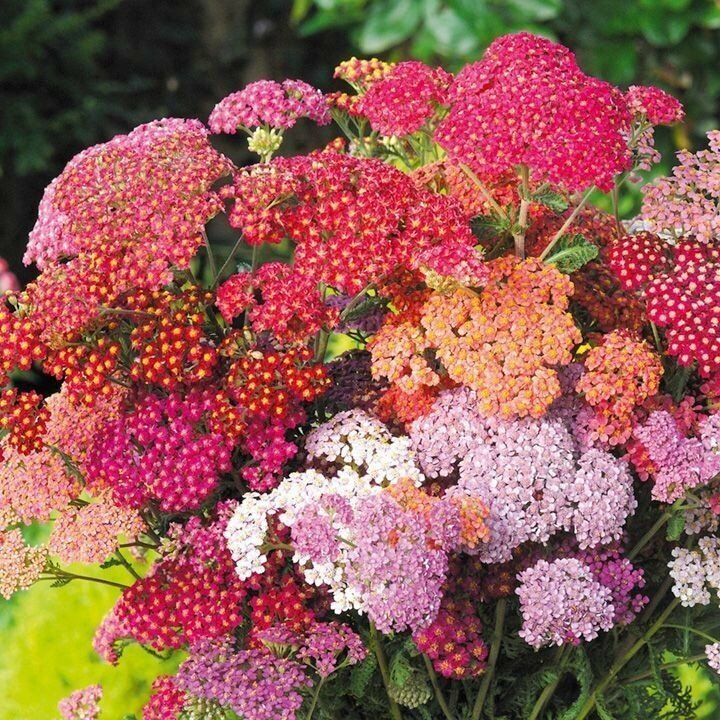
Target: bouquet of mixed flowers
435 438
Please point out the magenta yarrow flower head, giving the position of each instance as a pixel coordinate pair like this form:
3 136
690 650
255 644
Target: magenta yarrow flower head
561 602
528 103
267 102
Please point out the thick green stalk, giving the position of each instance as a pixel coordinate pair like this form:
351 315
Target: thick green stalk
568 222
550 688
625 658
384 671
436 687
492 659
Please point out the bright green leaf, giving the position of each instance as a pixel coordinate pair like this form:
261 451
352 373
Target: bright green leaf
389 23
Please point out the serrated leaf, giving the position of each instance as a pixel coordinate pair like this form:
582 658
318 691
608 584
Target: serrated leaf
61 582
555 201
110 562
675 527
572 252
361 675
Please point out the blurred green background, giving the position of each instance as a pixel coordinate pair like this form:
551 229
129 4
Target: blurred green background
74 73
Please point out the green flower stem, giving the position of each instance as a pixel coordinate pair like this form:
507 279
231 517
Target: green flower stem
486 193
621 661
551 687
124 562
211 257
315 696
649 535
567 223
436 687
665 666
500 611
521 226
384 672
222 269
64 574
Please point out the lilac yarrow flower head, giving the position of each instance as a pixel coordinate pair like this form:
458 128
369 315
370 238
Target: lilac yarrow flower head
529 473
562 602
681 463
617 573
448 432
396 571
255 684
712 652
326 646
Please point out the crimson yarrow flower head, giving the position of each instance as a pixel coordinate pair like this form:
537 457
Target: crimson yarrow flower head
528 103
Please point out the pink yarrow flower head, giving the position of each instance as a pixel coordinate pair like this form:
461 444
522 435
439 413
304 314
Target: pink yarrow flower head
655 104
687 204
528 103
402 101
267 102
561 602
82 704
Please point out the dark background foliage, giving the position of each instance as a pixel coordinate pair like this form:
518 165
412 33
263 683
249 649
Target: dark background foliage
75 72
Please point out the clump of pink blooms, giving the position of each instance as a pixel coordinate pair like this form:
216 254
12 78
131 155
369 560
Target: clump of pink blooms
266 102
82 704
521 450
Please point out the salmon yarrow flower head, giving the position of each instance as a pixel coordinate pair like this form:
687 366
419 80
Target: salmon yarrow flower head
82 704
621 373
528 103
496 342
687 202
20 564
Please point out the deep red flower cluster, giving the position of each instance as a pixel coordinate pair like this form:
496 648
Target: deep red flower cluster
681 287
353 220
185 597
528 103
284 604
88 369
20 345
24 417
454 641
636 258
171 345
268 389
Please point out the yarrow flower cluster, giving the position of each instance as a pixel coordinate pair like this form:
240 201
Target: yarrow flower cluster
431 414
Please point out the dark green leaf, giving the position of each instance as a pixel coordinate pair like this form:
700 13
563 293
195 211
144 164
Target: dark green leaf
61 582
572 252
556 202
110 562
675 527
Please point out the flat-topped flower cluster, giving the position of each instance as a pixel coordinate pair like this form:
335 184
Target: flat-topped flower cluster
432 414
